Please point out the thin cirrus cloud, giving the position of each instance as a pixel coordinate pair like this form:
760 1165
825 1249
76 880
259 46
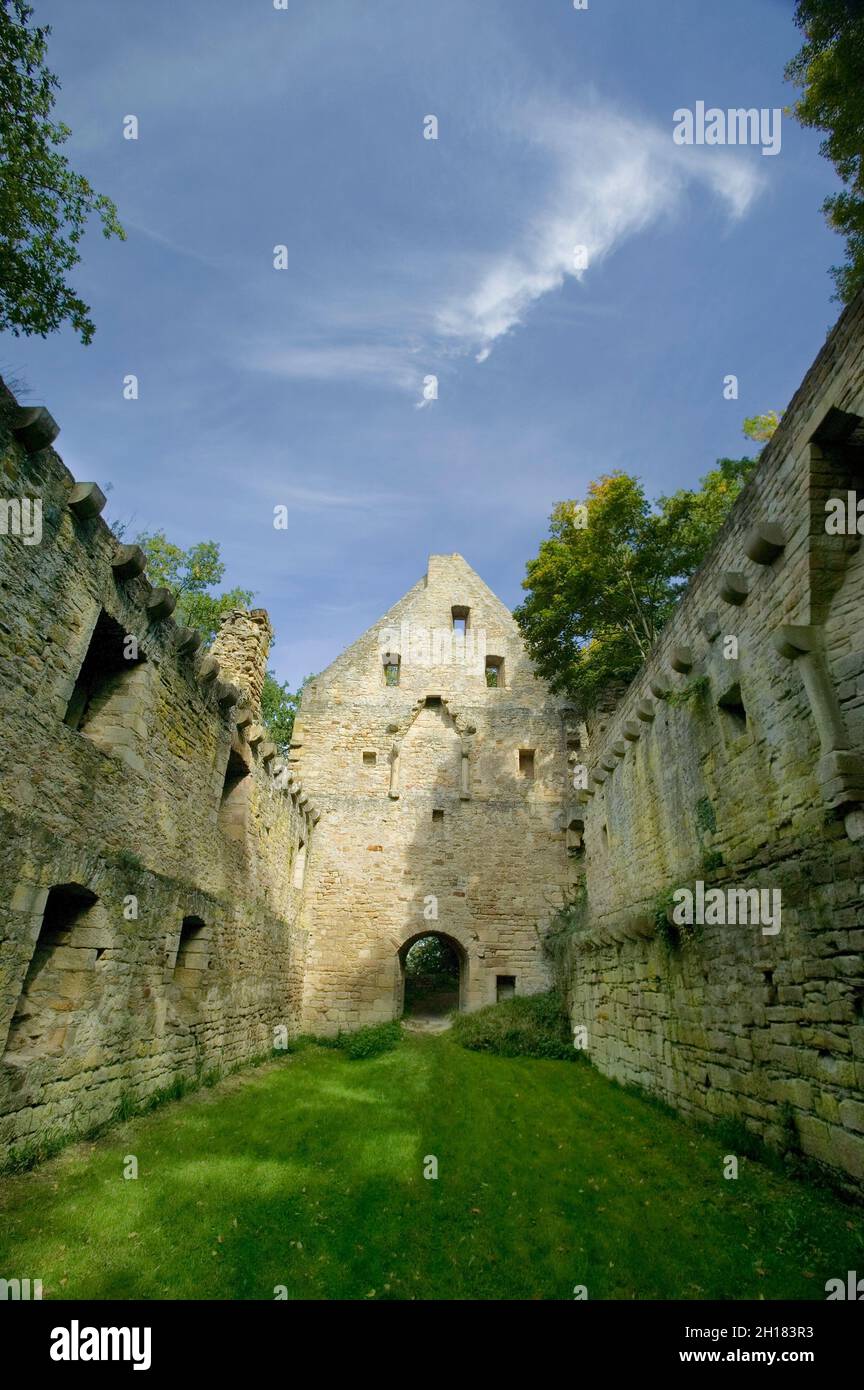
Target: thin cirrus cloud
607 178
363 362
611 179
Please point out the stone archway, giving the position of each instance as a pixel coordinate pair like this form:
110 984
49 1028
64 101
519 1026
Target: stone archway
454 948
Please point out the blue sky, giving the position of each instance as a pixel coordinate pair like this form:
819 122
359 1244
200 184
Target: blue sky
408 257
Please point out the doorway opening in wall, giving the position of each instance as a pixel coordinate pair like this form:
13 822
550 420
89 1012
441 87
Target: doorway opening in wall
432 976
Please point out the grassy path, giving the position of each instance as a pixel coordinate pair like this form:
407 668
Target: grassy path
309 1173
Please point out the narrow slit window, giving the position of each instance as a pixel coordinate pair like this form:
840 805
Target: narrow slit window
193 954
732 705
392 664
459 617
505 987
437 815
370 759
526 763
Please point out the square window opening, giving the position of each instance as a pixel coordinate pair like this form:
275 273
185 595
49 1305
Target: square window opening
495 672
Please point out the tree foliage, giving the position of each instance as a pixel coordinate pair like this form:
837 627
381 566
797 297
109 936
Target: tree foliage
608 577
44 204
830 69
279 706
190 575
761 427
431 956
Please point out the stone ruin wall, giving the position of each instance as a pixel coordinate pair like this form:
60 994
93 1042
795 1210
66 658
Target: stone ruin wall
742 772
382 759
753 780
96 1006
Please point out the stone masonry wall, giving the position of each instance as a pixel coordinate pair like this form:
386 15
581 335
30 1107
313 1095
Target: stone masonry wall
114 784
745 772
383 759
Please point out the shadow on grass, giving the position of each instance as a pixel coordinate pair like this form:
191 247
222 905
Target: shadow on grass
310 1175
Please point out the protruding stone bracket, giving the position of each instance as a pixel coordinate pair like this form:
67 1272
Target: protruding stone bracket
255 734
208 670
660 689
267 752
619 749
608 764
243 717
645 711
841 777
160 604
227 694
129 562
793 642
734 588
681 660
764 542
631 731
86 500
187 640
35 428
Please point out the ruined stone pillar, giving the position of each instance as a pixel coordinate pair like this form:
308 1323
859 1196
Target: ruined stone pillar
841 768
241 648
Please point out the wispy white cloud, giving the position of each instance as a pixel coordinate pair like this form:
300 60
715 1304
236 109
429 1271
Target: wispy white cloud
373 363
610 179
603 178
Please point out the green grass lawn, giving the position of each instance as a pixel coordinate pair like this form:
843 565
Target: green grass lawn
308 1173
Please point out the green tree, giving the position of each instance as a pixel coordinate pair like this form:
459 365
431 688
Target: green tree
761 427
830 69
190 574
431 956
44 204
279 706
608 577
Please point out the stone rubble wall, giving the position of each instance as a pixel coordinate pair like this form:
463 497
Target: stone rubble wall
494 862
129 807
685 786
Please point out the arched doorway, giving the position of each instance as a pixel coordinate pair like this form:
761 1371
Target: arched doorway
432 976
